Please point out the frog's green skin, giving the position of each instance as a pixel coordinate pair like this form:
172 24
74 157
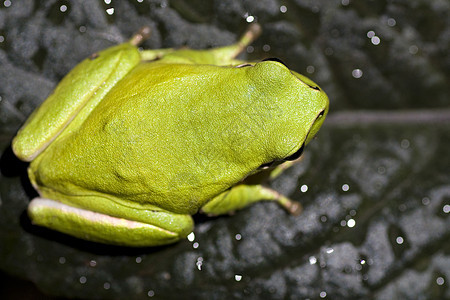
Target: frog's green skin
132 143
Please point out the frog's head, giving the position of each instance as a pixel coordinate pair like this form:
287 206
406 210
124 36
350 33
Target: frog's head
297 107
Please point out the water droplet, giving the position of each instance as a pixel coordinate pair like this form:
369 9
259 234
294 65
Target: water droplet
425 200
191 237
375 40
83 279
283 9
304 188
199 263
446 208
440 280
391 22
250 19
310 69
351 223
357 73
402 207
413 49
238 277
404 144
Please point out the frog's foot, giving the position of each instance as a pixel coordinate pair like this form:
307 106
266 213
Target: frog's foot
252 33
99 227
140 36
243 195
147 55
226 55
221 56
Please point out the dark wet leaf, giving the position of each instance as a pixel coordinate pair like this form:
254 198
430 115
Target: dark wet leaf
375 184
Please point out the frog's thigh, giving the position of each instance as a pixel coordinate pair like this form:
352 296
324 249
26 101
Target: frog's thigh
243 195
98 227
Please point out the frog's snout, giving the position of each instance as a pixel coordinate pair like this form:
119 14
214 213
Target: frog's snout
316 125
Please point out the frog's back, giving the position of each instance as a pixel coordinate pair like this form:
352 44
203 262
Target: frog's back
172 136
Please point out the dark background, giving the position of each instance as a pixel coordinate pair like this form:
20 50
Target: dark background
376 219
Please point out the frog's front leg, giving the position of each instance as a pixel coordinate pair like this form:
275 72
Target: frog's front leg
243 195
220 56
278 170
99 227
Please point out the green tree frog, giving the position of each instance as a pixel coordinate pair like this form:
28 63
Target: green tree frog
132 142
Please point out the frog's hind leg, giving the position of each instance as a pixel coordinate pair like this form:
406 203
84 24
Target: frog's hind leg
278 170
141 231
221 56
229 53
243 195
147 55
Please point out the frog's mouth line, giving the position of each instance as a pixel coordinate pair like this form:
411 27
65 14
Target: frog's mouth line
313 125
297 153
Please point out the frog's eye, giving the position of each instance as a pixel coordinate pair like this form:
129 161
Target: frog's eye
275 59
296 154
